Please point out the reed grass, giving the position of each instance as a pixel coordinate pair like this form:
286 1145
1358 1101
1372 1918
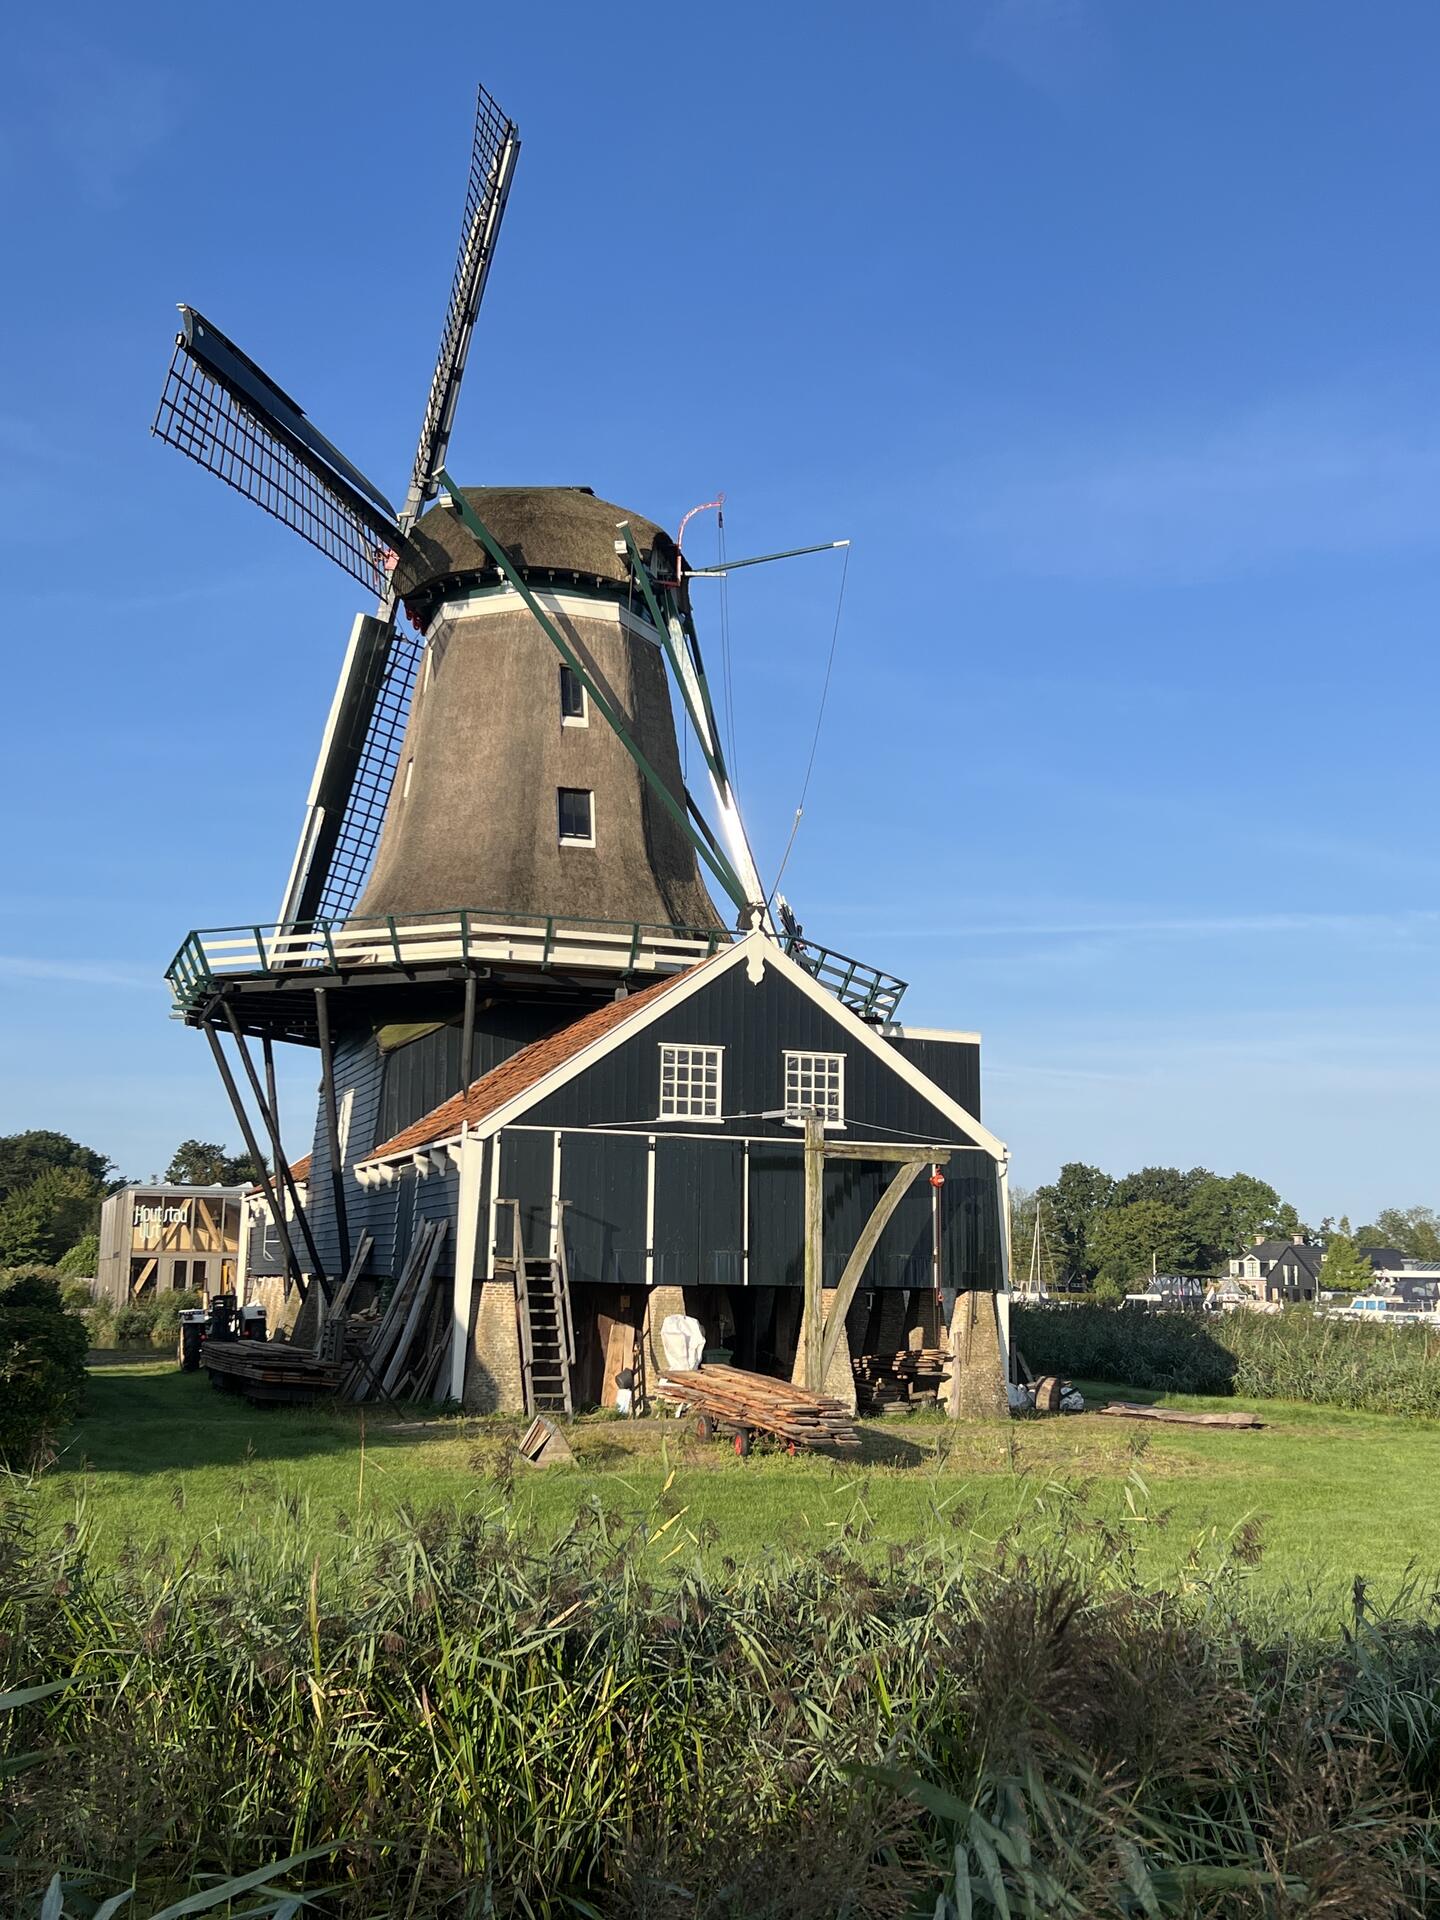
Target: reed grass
1292 1355
464 1720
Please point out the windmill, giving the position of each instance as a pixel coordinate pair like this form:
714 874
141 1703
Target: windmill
466 823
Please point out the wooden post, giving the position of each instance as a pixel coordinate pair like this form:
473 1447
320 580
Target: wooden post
270 1111
865 1246
332 1124
271 1192
467 1039
812 1331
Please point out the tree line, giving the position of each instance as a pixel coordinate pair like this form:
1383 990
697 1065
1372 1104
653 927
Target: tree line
1108 1233
52 1189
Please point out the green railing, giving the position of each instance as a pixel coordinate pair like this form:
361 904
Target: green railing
212 955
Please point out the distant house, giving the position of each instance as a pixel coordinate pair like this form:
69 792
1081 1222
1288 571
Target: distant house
1285 1271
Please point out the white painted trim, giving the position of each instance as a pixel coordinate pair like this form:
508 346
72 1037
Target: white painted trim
467 1233
581 719
744 1213
555 1197
494 1224
895 1030
693 1046
1003 1176
486 602
787 1054
650 1211
575 839
753 946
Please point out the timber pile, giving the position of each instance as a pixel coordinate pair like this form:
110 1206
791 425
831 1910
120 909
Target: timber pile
740 1402
897 1379
269 1370
1178 1417
397 1353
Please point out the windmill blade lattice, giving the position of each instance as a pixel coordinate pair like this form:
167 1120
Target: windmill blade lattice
220 410
340 856
364 813
493 152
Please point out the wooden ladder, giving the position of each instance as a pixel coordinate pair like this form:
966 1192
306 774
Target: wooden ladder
547 1329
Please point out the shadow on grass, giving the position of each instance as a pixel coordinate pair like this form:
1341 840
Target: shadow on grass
150 1418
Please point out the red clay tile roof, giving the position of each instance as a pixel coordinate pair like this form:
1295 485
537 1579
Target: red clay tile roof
299 1173
520 1072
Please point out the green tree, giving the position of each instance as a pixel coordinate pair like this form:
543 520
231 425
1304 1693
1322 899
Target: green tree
1228 1213
1166 1184
1125 1240
205 1163
1413 1230
25 1156
1344 1269
83 1257
40 1221
1071 1204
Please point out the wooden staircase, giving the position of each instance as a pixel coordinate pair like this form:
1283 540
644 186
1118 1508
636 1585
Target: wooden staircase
547 1329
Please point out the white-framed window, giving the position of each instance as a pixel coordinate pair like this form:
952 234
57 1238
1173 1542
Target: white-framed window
815 1083
575 813
691 1081
574 701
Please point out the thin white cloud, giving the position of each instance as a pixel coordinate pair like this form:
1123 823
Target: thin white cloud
1411 922
88 973
1054 46
98 113
1310 479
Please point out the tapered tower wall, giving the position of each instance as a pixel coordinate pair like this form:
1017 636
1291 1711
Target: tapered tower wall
474 818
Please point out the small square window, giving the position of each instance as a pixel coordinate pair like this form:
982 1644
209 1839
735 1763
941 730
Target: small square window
690 1081
815 1083
576 816
574 702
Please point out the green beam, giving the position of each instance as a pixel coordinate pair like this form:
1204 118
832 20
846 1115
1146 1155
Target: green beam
714 759
716 861
722 567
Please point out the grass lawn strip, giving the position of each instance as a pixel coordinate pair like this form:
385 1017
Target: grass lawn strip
160 1461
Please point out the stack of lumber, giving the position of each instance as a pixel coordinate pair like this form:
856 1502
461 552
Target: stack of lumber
741 1402
269 1370
896 1379
397 1353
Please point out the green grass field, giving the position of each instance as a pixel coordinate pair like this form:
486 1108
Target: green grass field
160 1460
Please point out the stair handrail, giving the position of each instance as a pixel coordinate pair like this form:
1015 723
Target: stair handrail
562 1263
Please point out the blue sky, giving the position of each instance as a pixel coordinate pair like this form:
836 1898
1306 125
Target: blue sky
1105 331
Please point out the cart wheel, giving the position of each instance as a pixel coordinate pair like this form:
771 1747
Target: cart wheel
705 1427
742 1442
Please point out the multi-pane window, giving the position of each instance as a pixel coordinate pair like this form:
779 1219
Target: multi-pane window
574 710
815 1083
576 806
690 1080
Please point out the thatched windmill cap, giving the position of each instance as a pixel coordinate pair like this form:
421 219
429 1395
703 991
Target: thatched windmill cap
553 534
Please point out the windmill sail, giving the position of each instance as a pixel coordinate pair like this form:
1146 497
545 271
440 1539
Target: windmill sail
222 411
377 680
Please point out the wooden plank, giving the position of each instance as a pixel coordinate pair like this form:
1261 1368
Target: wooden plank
1178 1417
920 1155
869 1239
412 1320
338 1305
379 1345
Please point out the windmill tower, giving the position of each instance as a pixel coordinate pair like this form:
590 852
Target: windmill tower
497 837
